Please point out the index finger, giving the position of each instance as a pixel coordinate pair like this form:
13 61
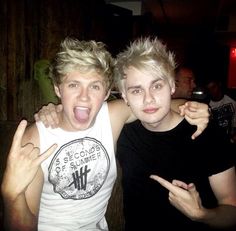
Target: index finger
197 132
46 154
172 188
17 138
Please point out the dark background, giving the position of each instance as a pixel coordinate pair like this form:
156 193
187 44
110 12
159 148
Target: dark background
200 32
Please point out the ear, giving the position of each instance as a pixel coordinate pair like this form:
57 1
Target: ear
124 97
172 90
57 91
172 85
107 95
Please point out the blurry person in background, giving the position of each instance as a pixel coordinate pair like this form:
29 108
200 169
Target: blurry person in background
223 108
185 83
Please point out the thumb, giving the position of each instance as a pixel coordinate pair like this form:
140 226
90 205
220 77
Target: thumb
181 110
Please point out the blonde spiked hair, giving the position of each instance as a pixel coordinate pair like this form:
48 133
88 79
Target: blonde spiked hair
83 56
145 54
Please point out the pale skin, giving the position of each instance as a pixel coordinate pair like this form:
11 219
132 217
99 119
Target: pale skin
149 97
22 194
194 112
77 91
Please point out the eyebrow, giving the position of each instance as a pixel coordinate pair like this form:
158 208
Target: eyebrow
139 86
76 81
134 87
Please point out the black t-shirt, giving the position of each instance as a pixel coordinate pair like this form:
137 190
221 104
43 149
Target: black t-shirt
171 155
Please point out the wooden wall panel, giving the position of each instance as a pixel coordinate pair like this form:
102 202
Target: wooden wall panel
3 60
31 31
15 55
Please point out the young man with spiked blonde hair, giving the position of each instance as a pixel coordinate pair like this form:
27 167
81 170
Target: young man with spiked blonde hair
197 182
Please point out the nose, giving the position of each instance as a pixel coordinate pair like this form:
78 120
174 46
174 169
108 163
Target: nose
148 98
193 84
83 94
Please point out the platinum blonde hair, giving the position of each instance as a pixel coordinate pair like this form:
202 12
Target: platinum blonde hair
82 56
145 54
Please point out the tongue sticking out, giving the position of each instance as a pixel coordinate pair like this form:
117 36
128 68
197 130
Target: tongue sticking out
81 114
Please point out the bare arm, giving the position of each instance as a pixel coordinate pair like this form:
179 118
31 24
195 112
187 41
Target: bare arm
194 112
120 114
22 181
186 199
224 188
176 103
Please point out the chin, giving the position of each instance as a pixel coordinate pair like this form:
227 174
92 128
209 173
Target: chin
80 125
150 121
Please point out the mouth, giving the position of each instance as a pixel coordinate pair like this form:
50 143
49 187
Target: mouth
81 114
150 110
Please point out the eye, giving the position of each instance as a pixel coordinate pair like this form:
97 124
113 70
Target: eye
72 85
157 86
136 91
96 87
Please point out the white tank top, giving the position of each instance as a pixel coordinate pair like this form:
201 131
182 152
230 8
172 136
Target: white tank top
78 177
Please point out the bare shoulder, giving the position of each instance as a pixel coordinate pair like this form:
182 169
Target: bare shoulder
119 114
175 103
116 103
31 135
119 111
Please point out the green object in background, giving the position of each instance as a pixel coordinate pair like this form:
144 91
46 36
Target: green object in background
41 70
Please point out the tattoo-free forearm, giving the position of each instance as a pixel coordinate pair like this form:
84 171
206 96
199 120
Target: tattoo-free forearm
223 216
17 215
